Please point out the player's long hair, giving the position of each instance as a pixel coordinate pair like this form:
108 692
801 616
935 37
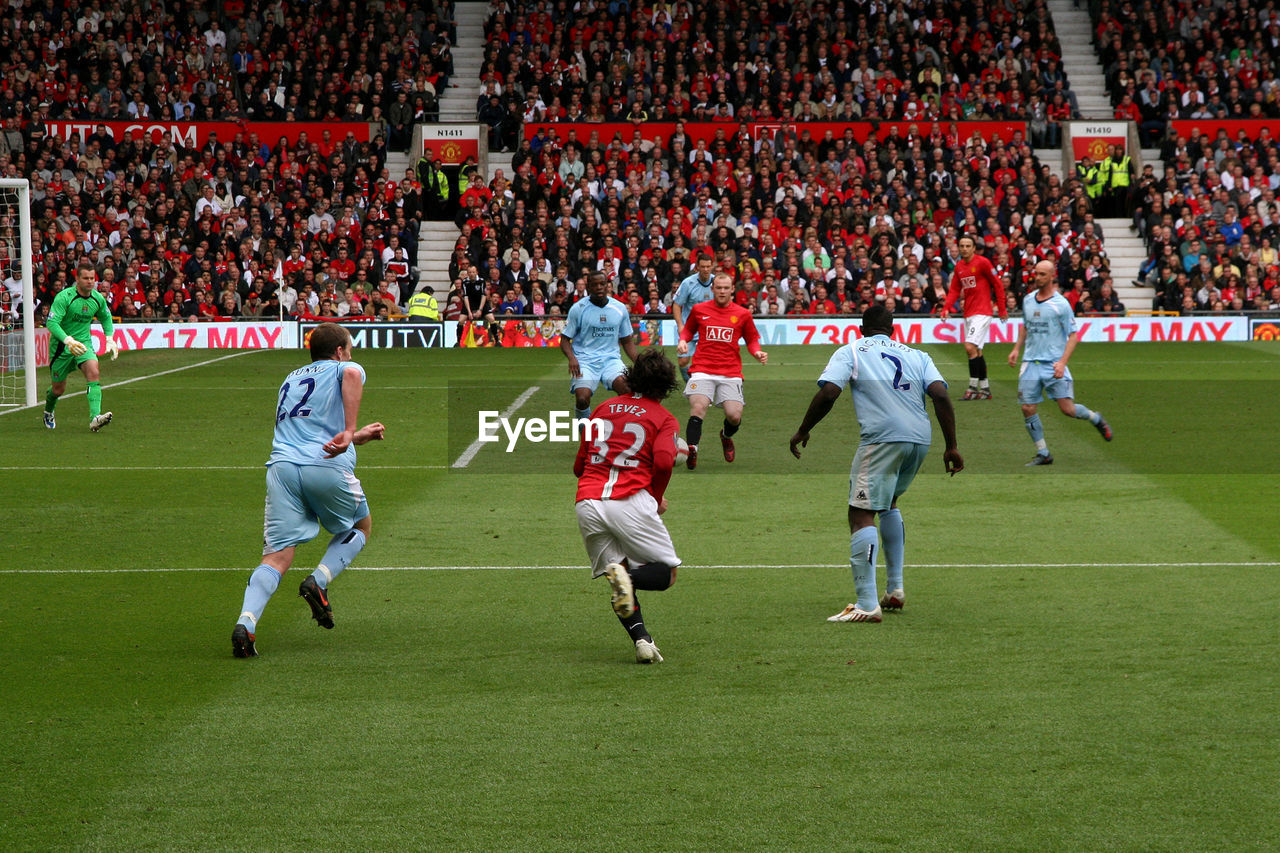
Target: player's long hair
653 375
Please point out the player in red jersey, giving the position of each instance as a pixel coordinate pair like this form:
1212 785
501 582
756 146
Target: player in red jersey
623 467
974 279
716 374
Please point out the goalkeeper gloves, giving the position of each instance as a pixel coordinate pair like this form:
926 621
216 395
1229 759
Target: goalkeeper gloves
73 346
113 349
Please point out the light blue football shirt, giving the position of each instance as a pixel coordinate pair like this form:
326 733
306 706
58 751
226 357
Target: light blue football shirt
595 331
309 412
692 291
1049 324
889 382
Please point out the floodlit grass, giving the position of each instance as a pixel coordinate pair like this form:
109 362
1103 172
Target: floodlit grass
1086 660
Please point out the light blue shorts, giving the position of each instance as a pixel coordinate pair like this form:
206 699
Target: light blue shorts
882 472
605 370
300 498
1035 382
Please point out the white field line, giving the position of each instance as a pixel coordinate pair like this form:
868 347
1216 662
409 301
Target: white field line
472 449
584 566
373 386
148 376
197 467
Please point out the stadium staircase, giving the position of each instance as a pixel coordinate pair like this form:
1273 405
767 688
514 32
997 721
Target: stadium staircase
1084 72
458 103
1125 250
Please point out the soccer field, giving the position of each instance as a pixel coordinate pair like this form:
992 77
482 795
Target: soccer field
1086 661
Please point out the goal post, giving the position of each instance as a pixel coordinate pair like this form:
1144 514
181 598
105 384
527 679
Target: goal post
18 369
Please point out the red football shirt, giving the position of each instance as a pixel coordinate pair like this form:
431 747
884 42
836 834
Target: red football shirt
981 287
719 330
634 450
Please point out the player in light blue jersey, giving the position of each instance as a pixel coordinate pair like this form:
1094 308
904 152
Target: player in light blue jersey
890 381
311 481
694 290
1049 331
593 329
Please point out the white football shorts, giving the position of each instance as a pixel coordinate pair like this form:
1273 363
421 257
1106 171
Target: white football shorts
716 388
630 528
976 329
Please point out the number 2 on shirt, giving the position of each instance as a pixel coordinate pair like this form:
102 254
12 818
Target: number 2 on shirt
297 411
898 384
625 458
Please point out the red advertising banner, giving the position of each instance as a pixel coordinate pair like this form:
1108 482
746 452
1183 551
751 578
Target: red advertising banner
262 334
194 134
1194 128
706 131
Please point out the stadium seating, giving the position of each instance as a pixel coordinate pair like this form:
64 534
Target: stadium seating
135 206
1206 209
765 205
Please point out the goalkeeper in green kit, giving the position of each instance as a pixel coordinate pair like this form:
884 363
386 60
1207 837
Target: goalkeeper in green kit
70 318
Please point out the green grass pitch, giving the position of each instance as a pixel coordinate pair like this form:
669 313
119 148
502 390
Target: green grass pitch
1087 659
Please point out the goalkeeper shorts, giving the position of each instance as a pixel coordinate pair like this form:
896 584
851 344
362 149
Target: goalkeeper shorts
62 363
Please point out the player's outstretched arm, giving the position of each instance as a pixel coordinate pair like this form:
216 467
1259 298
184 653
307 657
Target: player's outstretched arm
1060 369
819 406
1017 347
368 433
566 347
946 415
352 393
630 348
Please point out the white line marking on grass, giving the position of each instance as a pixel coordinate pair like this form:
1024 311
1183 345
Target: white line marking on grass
148 376
374 387
581 566
472 449
196 467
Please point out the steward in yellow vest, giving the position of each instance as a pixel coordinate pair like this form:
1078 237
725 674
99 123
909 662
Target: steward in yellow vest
423 305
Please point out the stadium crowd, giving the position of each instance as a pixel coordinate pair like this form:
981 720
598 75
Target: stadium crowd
1181 59
808 222
1212 224
238 226
1210 219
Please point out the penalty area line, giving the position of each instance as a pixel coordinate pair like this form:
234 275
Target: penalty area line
584 565
464 459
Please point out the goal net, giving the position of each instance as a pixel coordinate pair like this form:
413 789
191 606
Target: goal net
18 366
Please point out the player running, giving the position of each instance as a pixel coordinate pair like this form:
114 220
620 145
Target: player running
974 279
694 289
592 331
890 381
1049 331
70 320
716 378
311 481
622 475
